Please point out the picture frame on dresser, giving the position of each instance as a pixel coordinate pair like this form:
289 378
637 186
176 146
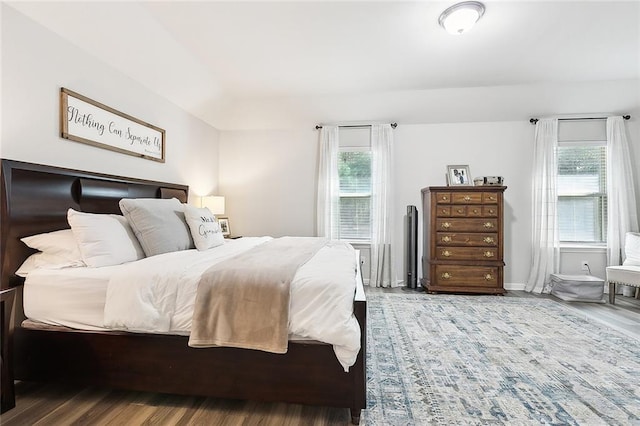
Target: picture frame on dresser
458 175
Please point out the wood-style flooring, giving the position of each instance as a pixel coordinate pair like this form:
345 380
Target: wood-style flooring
49 404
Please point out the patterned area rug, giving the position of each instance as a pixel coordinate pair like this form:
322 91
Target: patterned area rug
488 360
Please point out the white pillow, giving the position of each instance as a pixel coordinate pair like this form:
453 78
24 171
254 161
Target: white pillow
158 224
205 229
632 249
104 239
45 261
61 244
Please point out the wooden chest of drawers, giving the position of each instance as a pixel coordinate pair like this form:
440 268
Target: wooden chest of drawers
463 239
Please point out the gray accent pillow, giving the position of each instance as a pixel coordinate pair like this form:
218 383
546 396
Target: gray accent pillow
159 224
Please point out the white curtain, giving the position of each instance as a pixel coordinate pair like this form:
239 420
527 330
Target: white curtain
546 245
327 213
621 197
382 262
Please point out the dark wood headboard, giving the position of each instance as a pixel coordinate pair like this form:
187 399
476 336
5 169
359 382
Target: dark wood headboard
35 199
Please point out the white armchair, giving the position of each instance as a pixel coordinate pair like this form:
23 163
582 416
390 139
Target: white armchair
627 275
629 272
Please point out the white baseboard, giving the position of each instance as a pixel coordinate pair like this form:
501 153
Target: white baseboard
514 286
507 286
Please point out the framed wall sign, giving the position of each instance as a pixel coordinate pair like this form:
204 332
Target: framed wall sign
87 121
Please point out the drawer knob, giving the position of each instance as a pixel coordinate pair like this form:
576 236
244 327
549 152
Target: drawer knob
446 253
488 277
467 198
446 225
475 211
446 239
491 197
445 198
488 254
444 211
491 211
488 240
446 275
488 225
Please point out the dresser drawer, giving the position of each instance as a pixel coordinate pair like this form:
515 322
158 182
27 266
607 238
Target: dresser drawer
490 198
467 239
490 211
473 225
466 253
474 276
443 197
443 211
466 197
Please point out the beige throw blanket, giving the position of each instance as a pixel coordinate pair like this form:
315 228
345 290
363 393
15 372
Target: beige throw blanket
243 302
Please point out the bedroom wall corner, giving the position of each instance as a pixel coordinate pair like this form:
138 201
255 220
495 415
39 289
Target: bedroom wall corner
36 63
269 181
633 132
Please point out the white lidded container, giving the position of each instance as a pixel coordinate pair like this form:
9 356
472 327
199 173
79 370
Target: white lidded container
577 288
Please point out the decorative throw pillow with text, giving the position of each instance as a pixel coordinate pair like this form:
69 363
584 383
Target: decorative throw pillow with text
204 227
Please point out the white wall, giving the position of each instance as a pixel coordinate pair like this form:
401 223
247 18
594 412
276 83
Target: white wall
36 63
269 178
422 153
458 105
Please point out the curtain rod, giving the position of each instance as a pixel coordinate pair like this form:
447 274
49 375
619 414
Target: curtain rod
535 120
393 126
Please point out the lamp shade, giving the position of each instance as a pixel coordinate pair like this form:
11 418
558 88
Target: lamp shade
215 203
460 17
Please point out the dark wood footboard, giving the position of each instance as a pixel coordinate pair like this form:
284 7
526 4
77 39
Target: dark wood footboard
309 373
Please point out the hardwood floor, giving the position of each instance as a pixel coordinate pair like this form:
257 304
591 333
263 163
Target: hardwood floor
49 404
623 316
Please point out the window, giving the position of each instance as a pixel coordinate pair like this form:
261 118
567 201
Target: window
354 170
582 191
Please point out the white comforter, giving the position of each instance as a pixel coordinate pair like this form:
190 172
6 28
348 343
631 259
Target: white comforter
157 294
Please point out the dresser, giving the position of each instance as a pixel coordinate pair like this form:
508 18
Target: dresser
463 239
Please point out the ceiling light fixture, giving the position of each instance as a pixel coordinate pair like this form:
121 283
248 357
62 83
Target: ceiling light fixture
460 17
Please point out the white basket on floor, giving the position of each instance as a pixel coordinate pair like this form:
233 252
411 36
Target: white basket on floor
577 288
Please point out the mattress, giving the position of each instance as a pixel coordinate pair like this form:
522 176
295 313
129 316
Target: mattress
76 297
71 297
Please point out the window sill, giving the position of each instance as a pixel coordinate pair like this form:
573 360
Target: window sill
358 242
581 248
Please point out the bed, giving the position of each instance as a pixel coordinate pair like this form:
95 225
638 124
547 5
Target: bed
35 199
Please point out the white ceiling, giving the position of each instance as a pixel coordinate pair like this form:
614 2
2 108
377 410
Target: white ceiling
198 54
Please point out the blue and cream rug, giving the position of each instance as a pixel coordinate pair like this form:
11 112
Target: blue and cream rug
489 360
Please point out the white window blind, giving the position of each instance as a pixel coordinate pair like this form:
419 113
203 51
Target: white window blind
582 193
354 169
